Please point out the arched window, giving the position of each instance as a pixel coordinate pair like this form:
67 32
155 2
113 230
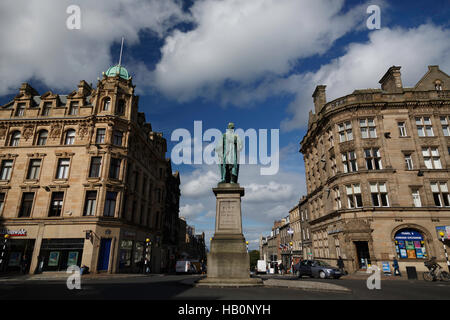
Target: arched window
15 139
70 137
42 138
410 244
438 85
106 104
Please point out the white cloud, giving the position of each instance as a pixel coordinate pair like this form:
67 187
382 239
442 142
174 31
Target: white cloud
199 183
190 211
36 42
241 41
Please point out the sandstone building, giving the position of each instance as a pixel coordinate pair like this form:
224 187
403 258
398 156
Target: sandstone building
84 180
377 165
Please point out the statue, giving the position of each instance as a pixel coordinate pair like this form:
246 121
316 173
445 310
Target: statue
228 149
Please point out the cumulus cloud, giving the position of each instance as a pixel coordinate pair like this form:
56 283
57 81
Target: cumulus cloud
240 41
37 44
199 183
363 65
189 210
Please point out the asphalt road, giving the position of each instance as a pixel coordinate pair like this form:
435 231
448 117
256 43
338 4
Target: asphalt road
170 288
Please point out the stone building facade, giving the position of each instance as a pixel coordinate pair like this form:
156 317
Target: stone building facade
85 180
377 165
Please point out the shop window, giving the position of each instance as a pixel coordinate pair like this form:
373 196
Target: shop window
56 204
410 244
26 204
126 247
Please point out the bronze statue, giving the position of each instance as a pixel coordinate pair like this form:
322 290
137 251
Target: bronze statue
228 149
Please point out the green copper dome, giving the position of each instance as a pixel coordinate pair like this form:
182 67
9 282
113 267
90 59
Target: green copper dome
118 70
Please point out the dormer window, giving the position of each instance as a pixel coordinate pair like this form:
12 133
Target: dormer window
73 110
46 108
20 111
438 85
106 104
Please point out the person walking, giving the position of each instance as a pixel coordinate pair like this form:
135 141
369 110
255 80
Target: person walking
396 267
341 265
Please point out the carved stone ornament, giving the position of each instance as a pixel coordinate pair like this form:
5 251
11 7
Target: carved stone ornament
55 130
3 130
28 131
83 130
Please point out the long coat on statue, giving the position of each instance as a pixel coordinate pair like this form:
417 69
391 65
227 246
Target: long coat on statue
228 150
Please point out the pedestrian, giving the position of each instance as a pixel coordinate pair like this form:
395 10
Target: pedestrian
341 265
24 264
203 267
396 267
281 268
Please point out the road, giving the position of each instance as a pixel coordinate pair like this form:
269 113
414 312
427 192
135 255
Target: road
169 288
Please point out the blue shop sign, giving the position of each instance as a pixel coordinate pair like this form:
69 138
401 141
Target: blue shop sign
409 235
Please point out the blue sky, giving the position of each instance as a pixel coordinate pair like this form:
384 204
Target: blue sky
253 62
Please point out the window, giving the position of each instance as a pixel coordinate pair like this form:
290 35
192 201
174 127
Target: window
20 111
345 131
349 161
354 198
42 138
431 158
424 127
94 170
34 169
410 244
89 206
56 204
337 198
70 137
402 129
121 107
368 128
15 139
373 159
440 194
73 110
333 166
416 198
63 169
110 204
106 104
445 127
2 201
409 162
46 108
5 173
379 194
117 137
114 169
438 85
26 204
100 138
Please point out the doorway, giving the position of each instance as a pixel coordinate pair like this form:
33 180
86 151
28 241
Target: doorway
103 257
362 253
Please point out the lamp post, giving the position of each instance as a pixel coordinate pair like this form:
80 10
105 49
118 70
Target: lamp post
291 259
442 234
246 243
3 254
148 243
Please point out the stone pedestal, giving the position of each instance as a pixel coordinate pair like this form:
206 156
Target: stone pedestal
228 259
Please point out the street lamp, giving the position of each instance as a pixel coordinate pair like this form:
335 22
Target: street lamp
442 234
246 242
148 243
3 254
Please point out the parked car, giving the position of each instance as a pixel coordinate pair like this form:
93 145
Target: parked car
316 269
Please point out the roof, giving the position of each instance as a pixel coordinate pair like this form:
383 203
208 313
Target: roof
118 70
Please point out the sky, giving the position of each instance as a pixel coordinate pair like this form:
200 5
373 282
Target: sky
252 62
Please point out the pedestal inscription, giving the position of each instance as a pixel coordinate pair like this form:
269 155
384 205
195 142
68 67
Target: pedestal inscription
229 216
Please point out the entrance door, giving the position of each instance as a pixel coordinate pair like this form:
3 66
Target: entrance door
103 257
362 252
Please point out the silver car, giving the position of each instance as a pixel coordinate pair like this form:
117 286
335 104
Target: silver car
316 269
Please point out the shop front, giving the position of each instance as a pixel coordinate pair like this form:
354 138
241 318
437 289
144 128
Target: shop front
131 253
410 244
18 251
59 254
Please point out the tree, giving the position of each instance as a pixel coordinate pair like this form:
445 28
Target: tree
254 257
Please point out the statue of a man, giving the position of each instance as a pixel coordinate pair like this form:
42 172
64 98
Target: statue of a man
228 149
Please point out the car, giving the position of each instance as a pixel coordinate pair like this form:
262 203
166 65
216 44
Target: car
316 269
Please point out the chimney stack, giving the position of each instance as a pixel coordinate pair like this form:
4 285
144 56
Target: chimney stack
319 98
392 80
